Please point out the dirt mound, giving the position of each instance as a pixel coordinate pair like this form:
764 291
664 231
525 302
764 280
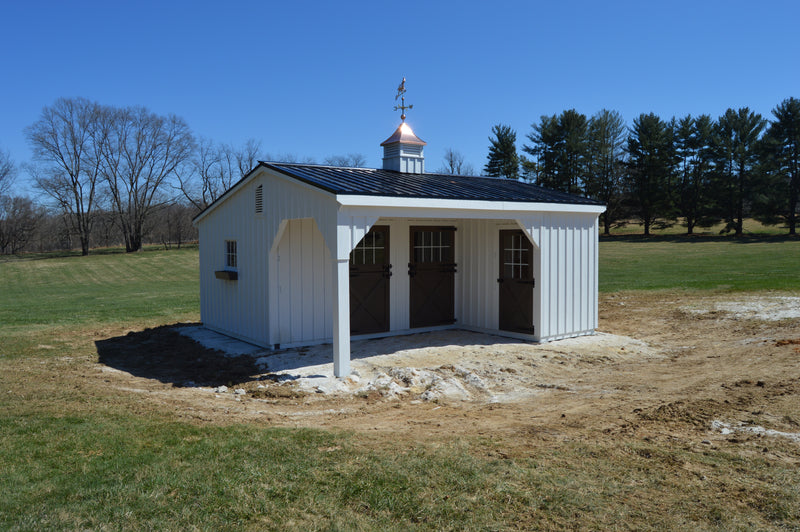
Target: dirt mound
697 413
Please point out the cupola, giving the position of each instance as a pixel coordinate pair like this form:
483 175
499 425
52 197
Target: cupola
402 152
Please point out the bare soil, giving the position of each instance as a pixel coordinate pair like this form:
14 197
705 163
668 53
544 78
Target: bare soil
667 366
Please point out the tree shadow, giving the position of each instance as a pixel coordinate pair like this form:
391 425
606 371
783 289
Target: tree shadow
163 354
698 238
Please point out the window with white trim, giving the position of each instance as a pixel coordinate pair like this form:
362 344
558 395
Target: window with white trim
230 254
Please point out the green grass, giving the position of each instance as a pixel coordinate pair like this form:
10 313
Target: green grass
700 263
76 453
67 292
104 287
129 472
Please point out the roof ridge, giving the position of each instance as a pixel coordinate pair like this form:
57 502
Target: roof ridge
316 165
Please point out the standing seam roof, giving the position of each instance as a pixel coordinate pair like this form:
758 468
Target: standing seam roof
390 183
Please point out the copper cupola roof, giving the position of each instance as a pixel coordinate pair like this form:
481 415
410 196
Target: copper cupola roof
404 134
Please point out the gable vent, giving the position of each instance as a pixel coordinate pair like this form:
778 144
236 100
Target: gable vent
259 199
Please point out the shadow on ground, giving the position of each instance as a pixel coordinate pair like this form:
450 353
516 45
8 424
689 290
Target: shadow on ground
163 354
303 357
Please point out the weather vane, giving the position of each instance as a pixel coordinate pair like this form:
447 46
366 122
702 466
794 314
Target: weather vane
401 93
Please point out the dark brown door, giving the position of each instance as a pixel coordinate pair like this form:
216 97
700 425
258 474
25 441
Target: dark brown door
516 282
432 276
369 283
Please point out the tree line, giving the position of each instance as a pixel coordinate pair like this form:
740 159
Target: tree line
699 170
125 175
119 175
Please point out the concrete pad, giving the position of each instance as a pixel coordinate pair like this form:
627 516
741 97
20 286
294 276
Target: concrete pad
230 346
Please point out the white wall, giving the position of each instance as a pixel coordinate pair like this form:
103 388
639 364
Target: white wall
303 285
284 291
242 308
565 298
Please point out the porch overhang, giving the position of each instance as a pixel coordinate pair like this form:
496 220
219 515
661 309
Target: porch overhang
459 208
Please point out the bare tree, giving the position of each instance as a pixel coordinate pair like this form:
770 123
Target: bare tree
7 173
144 151
351 160
174 225
454 164
214 169
19 218
67 141
247 156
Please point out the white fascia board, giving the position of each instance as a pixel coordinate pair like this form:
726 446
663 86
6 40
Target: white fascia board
464 205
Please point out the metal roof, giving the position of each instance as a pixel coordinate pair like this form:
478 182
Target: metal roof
389 183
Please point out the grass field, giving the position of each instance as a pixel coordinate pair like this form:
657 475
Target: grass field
699 263
77 455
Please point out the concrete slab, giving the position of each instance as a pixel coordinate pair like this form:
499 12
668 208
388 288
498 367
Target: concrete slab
231 347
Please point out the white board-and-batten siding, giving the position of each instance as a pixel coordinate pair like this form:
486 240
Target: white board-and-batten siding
243 308
566 266
286 263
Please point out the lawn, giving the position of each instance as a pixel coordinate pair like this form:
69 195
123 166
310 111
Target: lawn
76 454
699 263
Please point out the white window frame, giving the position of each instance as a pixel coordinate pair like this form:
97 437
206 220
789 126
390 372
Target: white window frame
231 255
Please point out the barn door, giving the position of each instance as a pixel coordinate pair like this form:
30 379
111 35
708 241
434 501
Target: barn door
432 276
516 282
369 283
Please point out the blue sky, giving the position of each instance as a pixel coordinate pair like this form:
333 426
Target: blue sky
319 78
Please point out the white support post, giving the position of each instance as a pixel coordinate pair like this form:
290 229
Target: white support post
341 318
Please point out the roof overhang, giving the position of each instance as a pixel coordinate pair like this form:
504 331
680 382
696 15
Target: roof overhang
396 204
348 200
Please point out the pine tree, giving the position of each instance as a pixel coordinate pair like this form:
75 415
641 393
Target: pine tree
737 156
606 144
781 160
544 138
694 145
561 148
503 160
650 170
572 151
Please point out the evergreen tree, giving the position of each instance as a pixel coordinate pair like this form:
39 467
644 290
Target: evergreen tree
560 145
737 155
503 160
572 151
781 159
606 145
694 144
545 139
650 169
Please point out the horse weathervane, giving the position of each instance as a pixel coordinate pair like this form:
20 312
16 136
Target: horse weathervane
401 93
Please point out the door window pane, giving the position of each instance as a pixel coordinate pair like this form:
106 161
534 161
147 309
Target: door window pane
433 246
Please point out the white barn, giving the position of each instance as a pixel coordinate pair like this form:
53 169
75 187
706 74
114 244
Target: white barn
299 254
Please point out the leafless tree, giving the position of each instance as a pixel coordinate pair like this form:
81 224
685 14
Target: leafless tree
67 141
7 173
247 156
289 158
454 164
18 220
351 160
214 169
143 151
174 225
